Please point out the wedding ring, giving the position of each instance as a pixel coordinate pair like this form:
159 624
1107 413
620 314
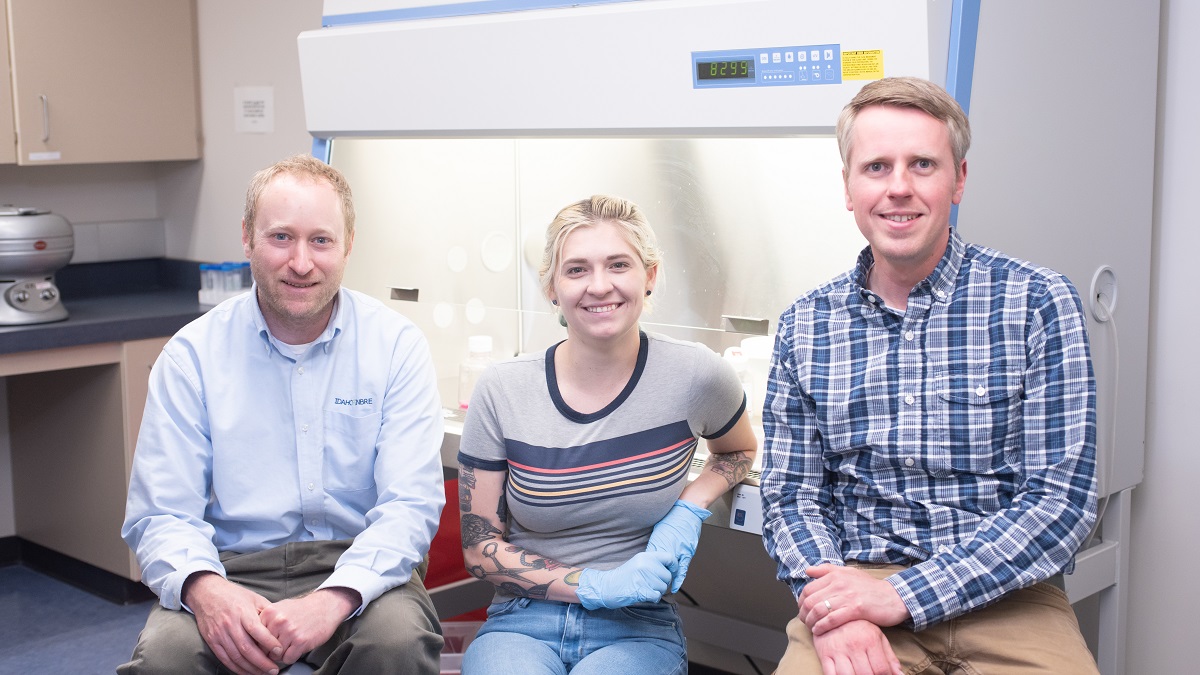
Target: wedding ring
828 607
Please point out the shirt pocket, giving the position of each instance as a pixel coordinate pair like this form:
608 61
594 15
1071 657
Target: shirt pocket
979 412
350 441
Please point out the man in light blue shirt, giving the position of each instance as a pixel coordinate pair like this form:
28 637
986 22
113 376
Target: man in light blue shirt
287 480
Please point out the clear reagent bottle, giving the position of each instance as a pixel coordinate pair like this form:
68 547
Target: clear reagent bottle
479 357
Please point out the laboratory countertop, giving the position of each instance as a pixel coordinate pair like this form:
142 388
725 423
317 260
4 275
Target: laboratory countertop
114 318
114 302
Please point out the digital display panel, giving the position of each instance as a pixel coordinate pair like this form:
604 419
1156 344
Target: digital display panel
741 69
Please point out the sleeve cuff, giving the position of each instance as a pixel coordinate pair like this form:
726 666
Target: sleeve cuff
368 584
172 591
936 599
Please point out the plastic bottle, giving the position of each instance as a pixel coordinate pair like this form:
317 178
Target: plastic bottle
740 363
758 364
479 357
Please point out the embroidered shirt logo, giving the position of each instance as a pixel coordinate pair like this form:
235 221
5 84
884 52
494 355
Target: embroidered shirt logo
352 401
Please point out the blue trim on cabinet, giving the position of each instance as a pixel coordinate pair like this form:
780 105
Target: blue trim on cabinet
960 60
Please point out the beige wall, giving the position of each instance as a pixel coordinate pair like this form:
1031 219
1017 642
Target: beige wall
200 203
241 44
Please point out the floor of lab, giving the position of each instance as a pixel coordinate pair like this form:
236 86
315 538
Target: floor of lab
47 626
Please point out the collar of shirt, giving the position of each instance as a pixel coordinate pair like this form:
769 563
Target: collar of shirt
325 341
939 285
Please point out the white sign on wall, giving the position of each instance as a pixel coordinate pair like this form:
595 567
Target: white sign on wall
254 110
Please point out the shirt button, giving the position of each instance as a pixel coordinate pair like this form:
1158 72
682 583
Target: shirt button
980 391
908 398
300 370
313 522
941 293
304 428
311 486
908 335
909 462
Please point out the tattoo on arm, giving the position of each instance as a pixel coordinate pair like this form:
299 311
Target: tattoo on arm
466 483
502 506
538 592
476 530
733 466
572 579
514 580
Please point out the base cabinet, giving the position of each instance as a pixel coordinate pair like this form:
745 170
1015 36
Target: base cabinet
72 428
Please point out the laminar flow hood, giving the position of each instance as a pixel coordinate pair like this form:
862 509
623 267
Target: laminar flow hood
465 126
650 67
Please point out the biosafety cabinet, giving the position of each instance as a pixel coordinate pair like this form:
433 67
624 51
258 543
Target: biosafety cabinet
463 128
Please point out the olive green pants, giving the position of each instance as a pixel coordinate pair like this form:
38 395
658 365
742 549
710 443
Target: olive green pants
397 633
1032 630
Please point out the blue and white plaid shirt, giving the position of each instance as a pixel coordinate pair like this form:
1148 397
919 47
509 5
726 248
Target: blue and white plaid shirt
957 437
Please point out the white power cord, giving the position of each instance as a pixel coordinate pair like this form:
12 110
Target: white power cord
1103 303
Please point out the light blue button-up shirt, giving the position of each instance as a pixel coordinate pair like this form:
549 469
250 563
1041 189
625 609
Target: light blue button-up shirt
245 447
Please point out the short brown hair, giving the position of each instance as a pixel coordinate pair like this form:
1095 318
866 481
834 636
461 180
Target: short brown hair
298 165
908 92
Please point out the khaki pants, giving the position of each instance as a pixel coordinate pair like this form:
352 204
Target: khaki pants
1032 630
397 633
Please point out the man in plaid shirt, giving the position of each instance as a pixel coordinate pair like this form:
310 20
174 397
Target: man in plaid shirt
930 427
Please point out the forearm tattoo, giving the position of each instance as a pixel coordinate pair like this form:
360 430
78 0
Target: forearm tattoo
466 483
520 585
733 466
476 530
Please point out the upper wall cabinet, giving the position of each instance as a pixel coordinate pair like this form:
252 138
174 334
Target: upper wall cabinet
8 142
95 82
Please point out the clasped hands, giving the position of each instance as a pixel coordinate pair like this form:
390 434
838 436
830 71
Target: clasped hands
845 609
649 575
251 635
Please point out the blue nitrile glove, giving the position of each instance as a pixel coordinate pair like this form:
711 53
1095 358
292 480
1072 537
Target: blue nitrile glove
678 533
644 578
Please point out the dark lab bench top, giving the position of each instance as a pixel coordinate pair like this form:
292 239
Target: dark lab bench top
114 302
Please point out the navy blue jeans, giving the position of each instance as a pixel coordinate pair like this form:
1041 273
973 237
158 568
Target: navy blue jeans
541 636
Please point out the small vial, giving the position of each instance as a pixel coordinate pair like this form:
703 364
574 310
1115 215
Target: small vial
479 357
209 277
232 277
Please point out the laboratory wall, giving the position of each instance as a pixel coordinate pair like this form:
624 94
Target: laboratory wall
1163 594
242 44
254 44
198 204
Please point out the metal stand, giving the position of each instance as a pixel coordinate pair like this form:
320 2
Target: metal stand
1104 568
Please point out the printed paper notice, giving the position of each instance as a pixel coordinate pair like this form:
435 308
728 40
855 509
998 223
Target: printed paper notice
254 110
862 65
